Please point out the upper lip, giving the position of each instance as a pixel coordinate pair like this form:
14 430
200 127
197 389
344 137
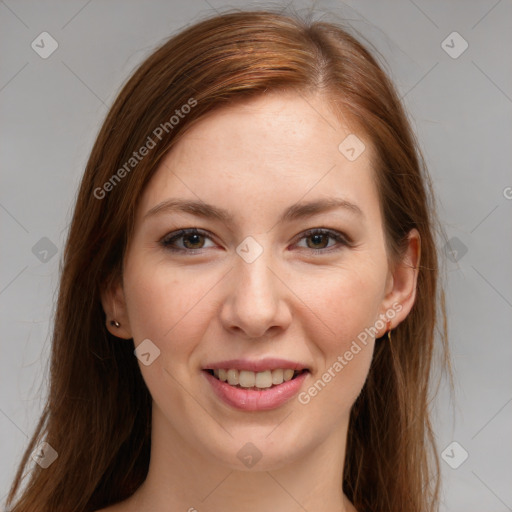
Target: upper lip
256 366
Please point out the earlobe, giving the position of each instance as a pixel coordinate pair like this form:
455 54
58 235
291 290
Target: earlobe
114 306
404 281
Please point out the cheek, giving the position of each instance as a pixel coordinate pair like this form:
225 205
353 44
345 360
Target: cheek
347 308
345 301
168 306
343 308
168 311
333 391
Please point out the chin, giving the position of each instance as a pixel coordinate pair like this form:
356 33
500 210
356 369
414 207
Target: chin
261 447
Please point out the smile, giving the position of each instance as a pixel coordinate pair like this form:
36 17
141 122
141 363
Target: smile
246 379
255 385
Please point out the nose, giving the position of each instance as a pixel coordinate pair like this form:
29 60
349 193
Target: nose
257 304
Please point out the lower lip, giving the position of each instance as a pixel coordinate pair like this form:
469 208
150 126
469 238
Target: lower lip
250 400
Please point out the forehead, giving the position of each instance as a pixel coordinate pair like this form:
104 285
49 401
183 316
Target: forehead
273 149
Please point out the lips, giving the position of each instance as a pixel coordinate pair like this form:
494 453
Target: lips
255 385
256 366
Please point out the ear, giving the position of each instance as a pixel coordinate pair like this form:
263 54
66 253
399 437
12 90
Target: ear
114 306
401 284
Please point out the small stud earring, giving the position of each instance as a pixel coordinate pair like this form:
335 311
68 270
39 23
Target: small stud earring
115 323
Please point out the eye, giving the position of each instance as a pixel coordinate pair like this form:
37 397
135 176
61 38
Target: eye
191 239
320 239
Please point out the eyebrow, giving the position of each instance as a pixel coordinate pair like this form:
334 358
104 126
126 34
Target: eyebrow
294 212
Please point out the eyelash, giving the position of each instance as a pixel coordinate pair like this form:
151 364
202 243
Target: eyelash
182 233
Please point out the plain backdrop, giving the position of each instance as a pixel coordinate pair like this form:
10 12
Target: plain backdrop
459 99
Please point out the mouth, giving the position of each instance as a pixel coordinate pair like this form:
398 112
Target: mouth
255 381
255 385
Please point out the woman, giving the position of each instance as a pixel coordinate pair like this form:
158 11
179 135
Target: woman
249 291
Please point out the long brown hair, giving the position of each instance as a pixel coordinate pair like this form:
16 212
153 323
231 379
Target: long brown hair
98 411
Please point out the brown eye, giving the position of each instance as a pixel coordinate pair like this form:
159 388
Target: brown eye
318 240
185 240
193 241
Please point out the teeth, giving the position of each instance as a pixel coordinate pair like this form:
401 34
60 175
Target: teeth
277 377
288 374
264 379
233 377
247 379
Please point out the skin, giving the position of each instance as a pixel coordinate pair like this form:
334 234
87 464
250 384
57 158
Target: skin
255 159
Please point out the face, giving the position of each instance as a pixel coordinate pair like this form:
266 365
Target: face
283 273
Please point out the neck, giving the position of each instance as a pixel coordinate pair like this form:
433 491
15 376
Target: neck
181 477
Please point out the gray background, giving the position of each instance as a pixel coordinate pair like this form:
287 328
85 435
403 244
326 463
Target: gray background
51 110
